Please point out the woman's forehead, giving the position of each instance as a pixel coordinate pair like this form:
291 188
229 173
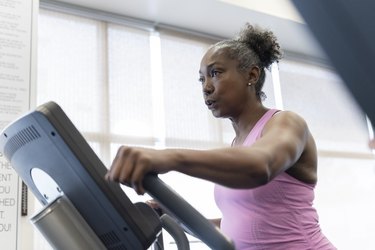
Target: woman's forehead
214 56
217 52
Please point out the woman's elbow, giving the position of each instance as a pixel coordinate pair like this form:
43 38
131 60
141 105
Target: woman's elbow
260 177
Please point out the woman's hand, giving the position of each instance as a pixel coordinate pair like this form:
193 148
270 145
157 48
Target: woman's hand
131 164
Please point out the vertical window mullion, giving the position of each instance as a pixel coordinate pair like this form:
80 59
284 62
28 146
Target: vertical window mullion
105 147
276 86
157 90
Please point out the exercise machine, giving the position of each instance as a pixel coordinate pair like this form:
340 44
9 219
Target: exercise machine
81 209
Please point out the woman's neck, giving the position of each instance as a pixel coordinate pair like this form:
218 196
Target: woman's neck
246 122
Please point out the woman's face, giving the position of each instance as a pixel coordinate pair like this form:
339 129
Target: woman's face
225 87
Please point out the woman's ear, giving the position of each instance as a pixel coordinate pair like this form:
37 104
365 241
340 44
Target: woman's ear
253 74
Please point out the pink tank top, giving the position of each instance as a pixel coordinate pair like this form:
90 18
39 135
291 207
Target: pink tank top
278 215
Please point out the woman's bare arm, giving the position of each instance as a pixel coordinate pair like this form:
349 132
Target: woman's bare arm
282 143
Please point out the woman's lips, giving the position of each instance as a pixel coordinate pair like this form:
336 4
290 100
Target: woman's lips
210 104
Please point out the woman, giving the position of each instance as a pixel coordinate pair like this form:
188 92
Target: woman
265 181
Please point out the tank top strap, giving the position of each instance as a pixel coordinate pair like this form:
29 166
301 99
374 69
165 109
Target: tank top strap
257 129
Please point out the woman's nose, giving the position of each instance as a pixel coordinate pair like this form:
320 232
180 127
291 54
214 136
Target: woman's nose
208 87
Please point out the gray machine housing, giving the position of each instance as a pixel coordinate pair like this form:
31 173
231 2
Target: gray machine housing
52 157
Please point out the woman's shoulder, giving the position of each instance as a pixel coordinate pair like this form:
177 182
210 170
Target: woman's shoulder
287 116
286 122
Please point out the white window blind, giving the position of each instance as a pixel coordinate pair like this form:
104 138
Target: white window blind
188 121
319 96
70 57
345 201
130 90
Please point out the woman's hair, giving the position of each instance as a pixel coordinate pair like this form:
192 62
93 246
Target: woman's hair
253 46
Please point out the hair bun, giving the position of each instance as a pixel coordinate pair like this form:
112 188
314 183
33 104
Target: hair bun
262 42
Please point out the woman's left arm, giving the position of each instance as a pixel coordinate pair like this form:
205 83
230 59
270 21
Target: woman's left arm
284 139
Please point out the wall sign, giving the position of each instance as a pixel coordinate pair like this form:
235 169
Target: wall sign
16 24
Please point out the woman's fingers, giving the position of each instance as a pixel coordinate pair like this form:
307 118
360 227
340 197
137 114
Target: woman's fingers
129 167
142 168
121 166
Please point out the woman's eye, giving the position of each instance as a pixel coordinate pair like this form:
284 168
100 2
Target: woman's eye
214 73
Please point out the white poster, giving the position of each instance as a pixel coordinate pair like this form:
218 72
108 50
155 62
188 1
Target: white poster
16 23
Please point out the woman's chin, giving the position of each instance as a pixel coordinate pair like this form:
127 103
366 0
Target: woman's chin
216 113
